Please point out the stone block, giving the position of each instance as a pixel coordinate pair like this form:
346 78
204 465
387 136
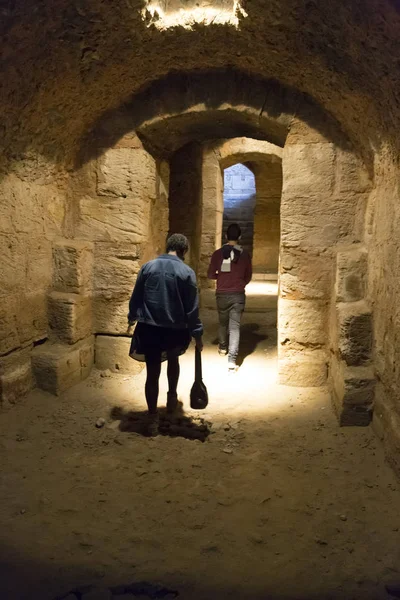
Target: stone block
386 424
57 366
353 387
118 220
112 352
303 368
351 175
354 415
116 269
110 312
70 316
15 376
302 322
13 264
72 266
309 170
9 339
116 266
351 275
126 172
86 357
31 317
305 273
355 332
38 264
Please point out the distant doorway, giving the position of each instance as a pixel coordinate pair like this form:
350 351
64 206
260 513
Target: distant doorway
239 202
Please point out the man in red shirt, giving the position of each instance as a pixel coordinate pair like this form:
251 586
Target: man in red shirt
231 267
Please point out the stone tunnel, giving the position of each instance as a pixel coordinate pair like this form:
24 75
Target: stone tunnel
125 122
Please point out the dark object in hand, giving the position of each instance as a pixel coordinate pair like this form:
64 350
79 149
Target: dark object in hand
198 393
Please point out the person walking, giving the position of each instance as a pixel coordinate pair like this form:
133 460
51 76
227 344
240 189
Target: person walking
165 305
231 267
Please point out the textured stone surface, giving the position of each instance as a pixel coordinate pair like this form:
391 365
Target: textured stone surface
351 274
185 198
309 170
70 316
307 368
353 392
355 332
72 266
123 172
8 330
305 274
115 270
351 174
112 353
122 220
15 376
302 322
57 367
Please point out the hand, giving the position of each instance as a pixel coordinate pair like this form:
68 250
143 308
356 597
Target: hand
199 343
130 325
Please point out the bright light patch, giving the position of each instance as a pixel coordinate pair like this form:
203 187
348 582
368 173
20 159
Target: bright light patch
156 15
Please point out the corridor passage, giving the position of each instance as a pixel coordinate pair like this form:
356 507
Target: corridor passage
277 503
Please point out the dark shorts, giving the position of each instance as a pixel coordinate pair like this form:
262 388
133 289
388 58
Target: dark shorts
158 343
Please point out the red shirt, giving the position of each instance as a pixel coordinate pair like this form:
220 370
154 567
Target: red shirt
236 280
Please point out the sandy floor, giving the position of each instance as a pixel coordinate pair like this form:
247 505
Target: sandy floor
278 503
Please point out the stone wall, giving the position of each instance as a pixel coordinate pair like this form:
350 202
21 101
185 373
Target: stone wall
118 213
185 198
324 198
267 216
32 214
383 220
212 211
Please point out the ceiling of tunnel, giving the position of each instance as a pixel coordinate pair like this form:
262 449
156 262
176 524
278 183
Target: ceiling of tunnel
66 64
202 106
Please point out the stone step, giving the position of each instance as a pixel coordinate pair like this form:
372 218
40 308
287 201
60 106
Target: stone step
57 367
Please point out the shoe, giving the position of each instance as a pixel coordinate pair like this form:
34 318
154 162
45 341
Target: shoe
152 425
172 402
232 367
222 351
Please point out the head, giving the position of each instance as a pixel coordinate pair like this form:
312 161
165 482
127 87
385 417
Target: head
233 232
179 244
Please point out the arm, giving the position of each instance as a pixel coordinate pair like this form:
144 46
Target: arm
191 306
249 271
213 267
136 300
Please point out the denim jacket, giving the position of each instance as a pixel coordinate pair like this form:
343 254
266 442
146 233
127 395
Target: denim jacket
166 295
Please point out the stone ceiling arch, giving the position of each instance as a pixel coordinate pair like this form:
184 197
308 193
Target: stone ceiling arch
201 106
247 151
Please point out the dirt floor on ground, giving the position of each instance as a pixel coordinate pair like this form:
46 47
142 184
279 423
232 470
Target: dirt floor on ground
278 503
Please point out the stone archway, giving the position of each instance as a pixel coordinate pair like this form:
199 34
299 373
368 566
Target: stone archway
120 189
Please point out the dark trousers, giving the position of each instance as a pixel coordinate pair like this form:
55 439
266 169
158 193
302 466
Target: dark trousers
230 310
153 366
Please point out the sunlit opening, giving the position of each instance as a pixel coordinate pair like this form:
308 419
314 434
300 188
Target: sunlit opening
239 203
162 15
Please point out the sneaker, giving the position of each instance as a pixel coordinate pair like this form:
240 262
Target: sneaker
152 425
222 351
172 402
232 367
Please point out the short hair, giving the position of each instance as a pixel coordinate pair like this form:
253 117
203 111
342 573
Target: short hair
178 243
233 232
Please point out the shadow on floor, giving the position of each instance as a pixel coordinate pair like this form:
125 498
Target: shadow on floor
175 425
249 340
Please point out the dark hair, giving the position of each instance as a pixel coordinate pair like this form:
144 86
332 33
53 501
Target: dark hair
233 232
178 243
